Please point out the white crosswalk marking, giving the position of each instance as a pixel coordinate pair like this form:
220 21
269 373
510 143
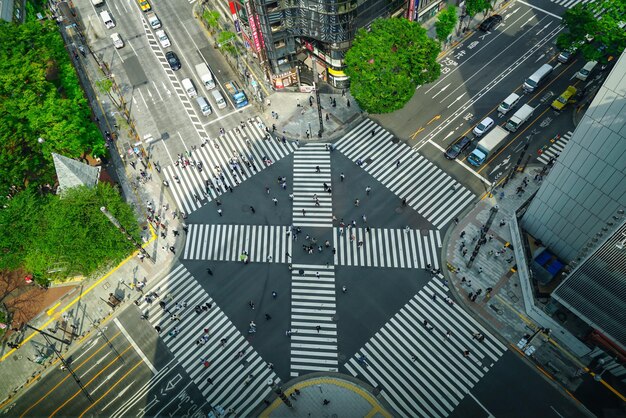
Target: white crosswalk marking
421 372
226 161
312 204
231 363
428 189
312 305
555 149
398 248
262 243
570 3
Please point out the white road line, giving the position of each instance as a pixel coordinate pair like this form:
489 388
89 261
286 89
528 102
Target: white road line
135 346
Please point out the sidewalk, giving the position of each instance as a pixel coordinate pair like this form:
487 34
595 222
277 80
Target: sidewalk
501 282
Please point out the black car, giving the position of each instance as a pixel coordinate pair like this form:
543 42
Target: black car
490 22
172 60
458 147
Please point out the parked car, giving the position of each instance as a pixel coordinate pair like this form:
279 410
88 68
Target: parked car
163 39
490 22
117 40
457 147
172 60
484 126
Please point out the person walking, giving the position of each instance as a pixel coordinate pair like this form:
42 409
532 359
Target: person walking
368 189
344 289
274 294
275 201
219 212
252 209
342 176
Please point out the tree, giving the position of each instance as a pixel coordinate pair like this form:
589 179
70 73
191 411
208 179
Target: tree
446 21
386 64
40 97
473 7
228 42
212 19
596 29
42 233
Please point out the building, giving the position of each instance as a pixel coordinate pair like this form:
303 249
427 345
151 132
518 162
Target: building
284 35
578 212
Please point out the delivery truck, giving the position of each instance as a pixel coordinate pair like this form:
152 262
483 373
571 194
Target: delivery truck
522 115
238 96
205 76
487 145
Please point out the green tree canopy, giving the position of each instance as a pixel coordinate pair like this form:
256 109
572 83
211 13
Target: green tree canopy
473 7
446 21
45 232
40 97
596 28
386 64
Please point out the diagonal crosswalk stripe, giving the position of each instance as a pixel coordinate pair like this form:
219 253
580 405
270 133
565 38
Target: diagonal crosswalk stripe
223 162
420 370
239 375
428 189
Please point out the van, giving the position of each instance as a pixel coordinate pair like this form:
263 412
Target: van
219 99
107 19
509 103
205 76
97 2
205 107
586 70
537 78
190 89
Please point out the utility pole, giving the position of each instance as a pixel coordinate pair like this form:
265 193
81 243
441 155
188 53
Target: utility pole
47 337
123 230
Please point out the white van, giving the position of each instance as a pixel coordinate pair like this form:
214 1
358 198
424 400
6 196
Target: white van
107 19
537 78
509 103
205 107
219 99
583 74
97 2
190 89
205 76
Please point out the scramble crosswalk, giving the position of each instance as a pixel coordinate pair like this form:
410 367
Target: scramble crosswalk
238 374
428 189
261 243
425 370
313 305
385 247
555 149
225 161
312 202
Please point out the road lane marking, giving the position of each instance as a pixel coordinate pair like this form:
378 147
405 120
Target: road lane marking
135 346
540 9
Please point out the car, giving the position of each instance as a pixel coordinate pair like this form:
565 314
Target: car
483 126
163 39
564 98
490 22
117 40
173 61
457 147
145 6
565 55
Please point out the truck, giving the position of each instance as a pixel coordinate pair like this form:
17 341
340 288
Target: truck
97 2
205 76
239 97
487 145
153 20
522 115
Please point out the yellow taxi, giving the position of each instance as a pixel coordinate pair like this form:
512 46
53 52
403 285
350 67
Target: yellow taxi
145 6
564 98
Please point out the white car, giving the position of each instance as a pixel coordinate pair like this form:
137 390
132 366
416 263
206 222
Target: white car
117 40
483 126
165 41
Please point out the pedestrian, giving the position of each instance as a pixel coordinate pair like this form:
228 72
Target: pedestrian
462 234
502 222
252 209
317 169
356 202
344 289
251 305
480 270
275 201
219 212
303 212
466 353
348 102
368 189
268 317
325 402
434 297
342 176
317 274
209 380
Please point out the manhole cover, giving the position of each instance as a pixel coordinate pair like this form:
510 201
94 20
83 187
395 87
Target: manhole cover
395 140
369 160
